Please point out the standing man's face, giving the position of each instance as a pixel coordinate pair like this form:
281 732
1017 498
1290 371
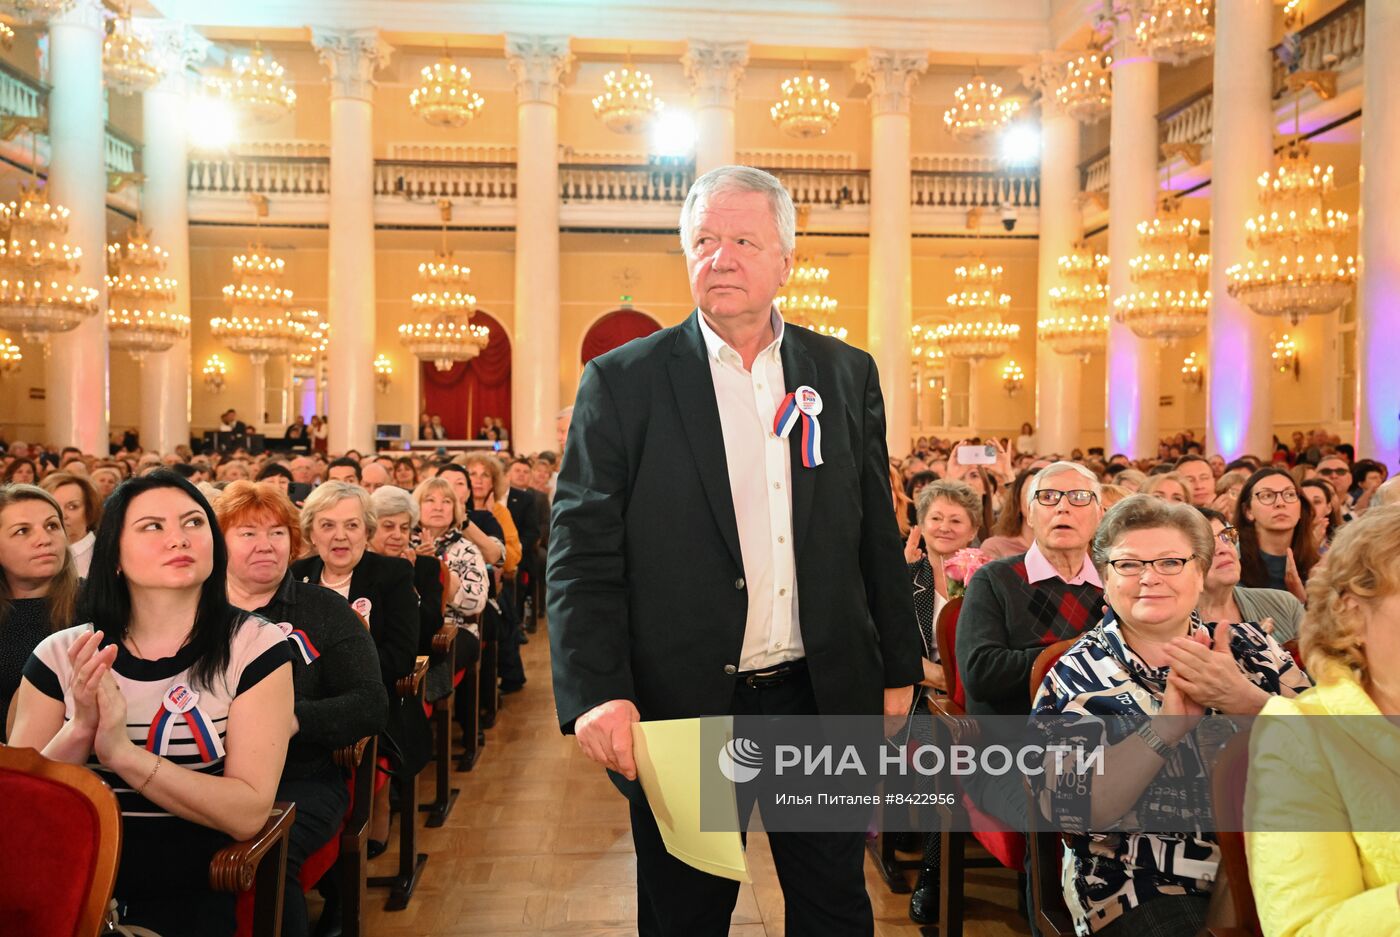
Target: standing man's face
735 258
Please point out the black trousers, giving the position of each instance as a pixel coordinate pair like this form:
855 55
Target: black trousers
822 874
321 801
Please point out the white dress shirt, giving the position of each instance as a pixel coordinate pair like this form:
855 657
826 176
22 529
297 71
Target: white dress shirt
82 553
760 479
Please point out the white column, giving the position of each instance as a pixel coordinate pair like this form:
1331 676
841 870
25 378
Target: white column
1378 308
1057 405
539 64
166 375
1132 188
77 409
714 70
1239 408
352 56
891 76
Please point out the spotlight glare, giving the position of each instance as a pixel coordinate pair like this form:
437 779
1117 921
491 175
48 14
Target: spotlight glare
673 134
1020 145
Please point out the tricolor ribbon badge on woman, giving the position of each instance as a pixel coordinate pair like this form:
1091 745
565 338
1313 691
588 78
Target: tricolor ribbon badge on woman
180 702
802 404
300 640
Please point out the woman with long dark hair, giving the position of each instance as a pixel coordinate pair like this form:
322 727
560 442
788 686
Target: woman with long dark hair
38 582
181 702
1276 533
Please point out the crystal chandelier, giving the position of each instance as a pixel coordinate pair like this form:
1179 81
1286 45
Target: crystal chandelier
979 287
978 109
36 294
139 319
10 357
260 322
215 373
1300 273
626 104
1079 324
975 341
256 84
1176 31
306 362
805 109
445 98
38 11
804 300
446 334
127 62
1166 301
1013 378
924 347
1085 91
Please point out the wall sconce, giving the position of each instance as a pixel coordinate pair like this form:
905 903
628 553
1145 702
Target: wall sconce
1285 357
383 373
1192 374
214 373
1293 14
10 357
1012 377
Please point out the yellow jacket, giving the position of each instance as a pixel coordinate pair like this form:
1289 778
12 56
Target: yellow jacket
1336 779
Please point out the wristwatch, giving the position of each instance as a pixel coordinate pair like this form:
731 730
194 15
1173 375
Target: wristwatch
1153 740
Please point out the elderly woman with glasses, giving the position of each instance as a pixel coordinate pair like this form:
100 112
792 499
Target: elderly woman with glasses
1224 599
1138 682
1276 534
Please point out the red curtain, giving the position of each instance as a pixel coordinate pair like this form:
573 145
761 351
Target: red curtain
472 390
616 329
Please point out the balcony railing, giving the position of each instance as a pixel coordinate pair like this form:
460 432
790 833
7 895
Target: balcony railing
270 175
666 183
975 189
434 179
22 95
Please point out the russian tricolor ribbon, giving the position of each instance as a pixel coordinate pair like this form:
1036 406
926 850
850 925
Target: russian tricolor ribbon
180 703
802 405
303 644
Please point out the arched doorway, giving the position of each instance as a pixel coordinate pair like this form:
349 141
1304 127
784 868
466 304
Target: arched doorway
614 330
469 391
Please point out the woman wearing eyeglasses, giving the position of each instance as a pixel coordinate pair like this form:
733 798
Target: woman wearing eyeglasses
1224 599
1276 536
1138 683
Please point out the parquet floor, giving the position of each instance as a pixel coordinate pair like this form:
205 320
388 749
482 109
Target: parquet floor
539 843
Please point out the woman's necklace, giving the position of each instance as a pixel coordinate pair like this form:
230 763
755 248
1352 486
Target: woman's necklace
337 583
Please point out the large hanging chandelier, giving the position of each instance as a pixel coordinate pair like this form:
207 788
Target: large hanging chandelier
445 333
1166 302
627 104
127 62
445 98
924 348
256 84
139 317
37 296
1085 91
11 358
974 341
979 287
38 11
261 322
804 300
805 108
978 109
1176 31
1078 324
1299 272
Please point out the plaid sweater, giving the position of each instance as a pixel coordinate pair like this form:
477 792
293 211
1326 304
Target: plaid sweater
1005 623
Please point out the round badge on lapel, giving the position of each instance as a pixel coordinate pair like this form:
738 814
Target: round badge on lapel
180 699
808 400
362 606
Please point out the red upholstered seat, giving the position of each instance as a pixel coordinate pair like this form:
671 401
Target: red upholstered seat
60 842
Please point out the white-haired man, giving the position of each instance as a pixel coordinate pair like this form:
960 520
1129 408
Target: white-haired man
701 564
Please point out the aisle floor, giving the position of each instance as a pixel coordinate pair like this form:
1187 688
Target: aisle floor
539 842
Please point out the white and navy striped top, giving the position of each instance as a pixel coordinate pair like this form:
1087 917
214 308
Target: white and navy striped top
168 715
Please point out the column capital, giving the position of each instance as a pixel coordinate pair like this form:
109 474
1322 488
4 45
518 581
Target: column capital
540 64
1120 20
87 13
714 70
1045 74
891 74
352 56
175 47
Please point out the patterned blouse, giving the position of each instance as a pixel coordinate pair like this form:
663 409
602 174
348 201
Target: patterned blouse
464 559
1108 690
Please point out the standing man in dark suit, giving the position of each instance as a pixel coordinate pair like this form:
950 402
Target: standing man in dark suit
701 565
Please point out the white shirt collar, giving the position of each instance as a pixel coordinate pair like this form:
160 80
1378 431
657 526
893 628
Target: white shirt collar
715 346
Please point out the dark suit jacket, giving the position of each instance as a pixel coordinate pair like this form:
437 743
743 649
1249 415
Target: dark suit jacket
647 599
387 583
521 504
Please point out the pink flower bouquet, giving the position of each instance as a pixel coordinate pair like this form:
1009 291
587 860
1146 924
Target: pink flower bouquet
959 569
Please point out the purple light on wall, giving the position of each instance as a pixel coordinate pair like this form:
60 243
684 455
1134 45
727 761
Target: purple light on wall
1378 339
1124 390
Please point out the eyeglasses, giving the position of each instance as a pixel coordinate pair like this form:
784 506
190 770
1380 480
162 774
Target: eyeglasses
1229 536
1166 566
1266 496
1051 497
1336 472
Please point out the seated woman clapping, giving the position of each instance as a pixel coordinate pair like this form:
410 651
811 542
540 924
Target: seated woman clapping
180 701
1323 794
340 698
1138 682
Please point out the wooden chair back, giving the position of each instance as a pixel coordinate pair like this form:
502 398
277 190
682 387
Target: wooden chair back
1227 785
1044 661
945 631
62 839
